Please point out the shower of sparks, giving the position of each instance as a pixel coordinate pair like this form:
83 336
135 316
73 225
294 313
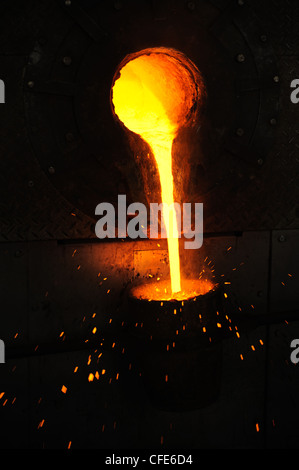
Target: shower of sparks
99 373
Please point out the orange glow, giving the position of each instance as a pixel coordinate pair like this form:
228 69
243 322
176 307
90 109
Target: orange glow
153 96
161 290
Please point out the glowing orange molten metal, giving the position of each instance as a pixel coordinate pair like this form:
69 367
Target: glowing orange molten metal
153 96
161 290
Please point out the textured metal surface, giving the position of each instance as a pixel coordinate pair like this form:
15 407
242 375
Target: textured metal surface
50 292
49 288
284 282
63 154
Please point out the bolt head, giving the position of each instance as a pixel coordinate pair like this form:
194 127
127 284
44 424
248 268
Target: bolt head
240 132
191 6
67 60
69 137
241 58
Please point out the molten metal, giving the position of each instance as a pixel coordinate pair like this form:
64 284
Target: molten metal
154 96
161 290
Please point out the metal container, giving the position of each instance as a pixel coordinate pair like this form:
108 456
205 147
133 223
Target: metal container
177 347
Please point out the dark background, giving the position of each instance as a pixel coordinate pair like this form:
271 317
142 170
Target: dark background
62 153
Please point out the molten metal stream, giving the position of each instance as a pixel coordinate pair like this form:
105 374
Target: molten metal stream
155 94
150 99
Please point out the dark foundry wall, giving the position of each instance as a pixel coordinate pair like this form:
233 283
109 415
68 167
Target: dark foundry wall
62 290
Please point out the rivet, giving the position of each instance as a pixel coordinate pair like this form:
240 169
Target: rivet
281 238
30 184
240 132
191 6
69 137
263 38
67 60
276 78
240 57
51 170
241 2
260 161
273 122
67 2
30 84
